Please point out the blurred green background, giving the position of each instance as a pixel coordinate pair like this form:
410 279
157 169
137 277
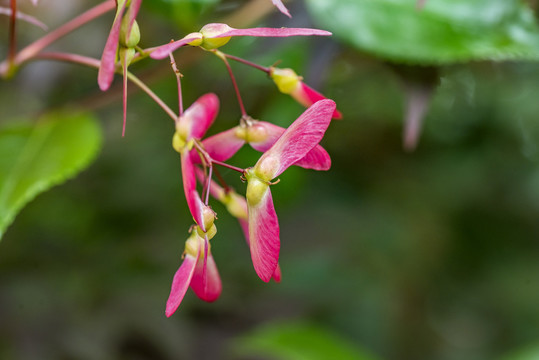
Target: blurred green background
390 255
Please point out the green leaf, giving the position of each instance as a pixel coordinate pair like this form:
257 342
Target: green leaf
297 341
528 353
33 158
185 13
444 31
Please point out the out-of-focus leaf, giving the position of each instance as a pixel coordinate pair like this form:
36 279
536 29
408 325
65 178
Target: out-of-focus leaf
530 353
184 13
298 341
443 31
33 158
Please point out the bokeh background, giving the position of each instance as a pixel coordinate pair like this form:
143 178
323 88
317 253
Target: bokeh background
431 254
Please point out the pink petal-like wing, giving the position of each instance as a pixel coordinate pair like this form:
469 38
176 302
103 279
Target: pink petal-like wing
279 4
277 274
222 146
180 284
273 133
300 138
194 202
134 7
306 96
108 59
273 32
209 288
161 52
200 115
245 228
316 159
264 237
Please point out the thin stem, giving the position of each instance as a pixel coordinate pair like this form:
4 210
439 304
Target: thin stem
221 180
154 97
267 70
222 56
91 62
124 95
178 80
207 158
67 57
38 45
240 170
208 184
203 154
12 36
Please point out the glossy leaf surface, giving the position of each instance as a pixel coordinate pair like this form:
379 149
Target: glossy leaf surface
443 31
33 158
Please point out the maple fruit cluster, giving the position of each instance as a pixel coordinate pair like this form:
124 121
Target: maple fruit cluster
281 148
200 157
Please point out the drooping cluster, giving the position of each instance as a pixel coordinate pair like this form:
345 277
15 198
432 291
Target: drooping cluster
297 145
281 148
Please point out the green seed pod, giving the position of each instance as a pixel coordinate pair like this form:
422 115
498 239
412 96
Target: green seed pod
131 39
285 79
256 188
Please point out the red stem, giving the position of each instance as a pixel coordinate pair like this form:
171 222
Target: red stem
238 95
247 62
178 80
124 95
12 36
208 184
38 45
240 170
206 157
72 58
221 180
91 62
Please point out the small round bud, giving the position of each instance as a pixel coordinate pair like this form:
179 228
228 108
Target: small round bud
256 188
214 43
197 41
256 133
208 216
210 233
192 244
210 31
285 79
177 142
267 168
126 55
241 132
131 39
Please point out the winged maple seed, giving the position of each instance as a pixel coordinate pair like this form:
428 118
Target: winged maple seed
297 145
296 142
256 213
197 270
281 148
237 207
215 35
290 83
121 42
191 126
261 135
